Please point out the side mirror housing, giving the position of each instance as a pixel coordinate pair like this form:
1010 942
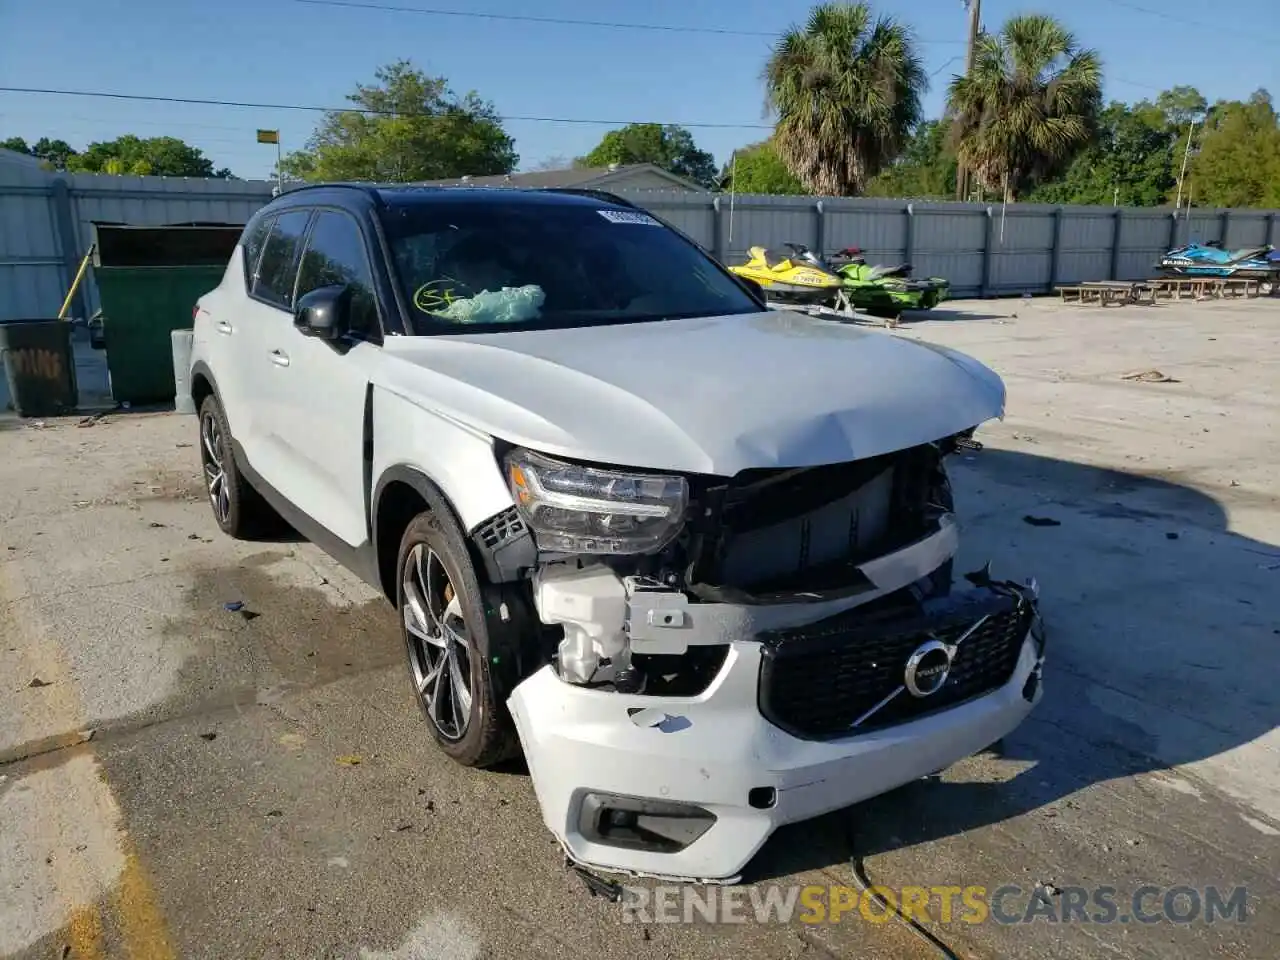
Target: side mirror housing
324 313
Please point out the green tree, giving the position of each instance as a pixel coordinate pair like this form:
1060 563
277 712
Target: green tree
926 168
16 144
1181 106
669 147
846 93
758 169
1029 105
1238 160
1133 161
408 126
161 156
55 153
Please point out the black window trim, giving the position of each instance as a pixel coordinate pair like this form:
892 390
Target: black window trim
380 333
306 232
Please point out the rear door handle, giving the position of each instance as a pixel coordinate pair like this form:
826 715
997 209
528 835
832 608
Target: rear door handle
279 358
223 327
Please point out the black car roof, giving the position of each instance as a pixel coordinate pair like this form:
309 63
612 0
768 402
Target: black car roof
409 196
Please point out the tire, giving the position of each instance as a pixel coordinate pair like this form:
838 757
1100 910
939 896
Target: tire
438 592
238 509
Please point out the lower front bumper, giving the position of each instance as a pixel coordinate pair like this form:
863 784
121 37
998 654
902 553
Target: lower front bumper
716 751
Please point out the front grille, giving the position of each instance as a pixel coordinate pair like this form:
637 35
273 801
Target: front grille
817 681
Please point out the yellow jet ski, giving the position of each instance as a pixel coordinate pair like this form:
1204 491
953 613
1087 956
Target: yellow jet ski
796 276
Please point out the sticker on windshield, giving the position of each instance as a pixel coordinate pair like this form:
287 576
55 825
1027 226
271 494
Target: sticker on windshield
627 216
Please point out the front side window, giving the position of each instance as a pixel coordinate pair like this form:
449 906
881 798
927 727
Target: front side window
478 267
335 256
277 270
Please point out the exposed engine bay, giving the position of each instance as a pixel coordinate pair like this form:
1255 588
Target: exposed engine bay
763 550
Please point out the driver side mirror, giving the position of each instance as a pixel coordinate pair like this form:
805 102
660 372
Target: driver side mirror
324 313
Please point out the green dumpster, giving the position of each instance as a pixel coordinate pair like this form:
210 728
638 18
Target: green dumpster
149 279
39 366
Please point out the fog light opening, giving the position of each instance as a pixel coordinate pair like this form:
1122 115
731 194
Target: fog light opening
637 823
762 798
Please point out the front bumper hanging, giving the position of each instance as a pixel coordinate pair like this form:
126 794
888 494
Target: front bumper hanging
798 722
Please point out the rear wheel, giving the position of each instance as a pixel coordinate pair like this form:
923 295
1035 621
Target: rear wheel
238 509
448 644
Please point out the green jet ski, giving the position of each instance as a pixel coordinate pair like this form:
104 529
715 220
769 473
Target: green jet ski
885 291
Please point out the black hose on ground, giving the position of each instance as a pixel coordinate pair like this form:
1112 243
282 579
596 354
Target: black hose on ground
864 884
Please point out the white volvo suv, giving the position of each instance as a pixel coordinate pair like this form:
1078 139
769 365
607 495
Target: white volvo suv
691 555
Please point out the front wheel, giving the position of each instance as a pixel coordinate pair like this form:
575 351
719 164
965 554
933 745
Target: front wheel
446 636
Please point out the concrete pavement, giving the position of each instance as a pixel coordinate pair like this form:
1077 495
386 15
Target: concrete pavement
181 780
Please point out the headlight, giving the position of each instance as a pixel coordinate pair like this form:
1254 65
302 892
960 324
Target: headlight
574 509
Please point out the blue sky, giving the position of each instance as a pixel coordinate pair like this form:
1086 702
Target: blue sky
283 51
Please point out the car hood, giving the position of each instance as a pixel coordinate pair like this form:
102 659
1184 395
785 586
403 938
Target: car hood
713 395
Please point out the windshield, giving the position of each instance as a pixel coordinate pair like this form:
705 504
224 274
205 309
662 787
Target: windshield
476 267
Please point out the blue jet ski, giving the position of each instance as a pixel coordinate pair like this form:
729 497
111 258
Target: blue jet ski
1211 260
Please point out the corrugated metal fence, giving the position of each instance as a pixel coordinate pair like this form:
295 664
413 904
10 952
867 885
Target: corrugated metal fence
984 250
46 225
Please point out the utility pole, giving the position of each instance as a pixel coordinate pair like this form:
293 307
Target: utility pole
975 26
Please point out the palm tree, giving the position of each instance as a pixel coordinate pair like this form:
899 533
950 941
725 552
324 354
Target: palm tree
846 93
1028 106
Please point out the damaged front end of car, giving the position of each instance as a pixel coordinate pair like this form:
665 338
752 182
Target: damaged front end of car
726 655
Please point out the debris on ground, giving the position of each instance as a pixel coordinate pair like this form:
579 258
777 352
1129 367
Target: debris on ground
155 525
275 813
1149 376
93 419
36 683
233 606
597 886
1041 521
211 735
1171 536
349 760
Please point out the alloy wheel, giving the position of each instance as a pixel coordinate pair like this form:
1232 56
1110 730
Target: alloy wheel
440 648
215 474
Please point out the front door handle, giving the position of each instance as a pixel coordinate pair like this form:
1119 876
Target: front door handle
279 358
223 327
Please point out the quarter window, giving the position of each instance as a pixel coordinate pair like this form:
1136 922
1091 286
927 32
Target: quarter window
276 272
336 256
252 241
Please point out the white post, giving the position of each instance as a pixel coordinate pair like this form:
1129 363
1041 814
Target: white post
733 189
1183 174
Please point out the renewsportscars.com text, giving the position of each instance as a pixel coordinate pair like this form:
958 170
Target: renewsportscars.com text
974 904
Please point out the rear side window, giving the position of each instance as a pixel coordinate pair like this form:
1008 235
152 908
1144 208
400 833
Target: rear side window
252 242
274 278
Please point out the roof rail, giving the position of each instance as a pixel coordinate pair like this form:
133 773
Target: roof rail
366 188
603 195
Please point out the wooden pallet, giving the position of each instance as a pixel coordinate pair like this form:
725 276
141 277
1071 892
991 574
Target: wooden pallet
1203 288
1106 293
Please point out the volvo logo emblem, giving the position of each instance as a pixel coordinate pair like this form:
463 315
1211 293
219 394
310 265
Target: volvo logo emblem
928 668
